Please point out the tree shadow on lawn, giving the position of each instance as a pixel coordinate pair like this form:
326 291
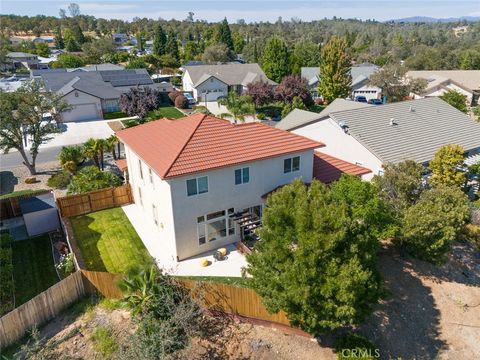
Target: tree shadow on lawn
87 241
406 323
7 182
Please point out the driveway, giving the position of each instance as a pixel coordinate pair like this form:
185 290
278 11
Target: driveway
164 253
79 132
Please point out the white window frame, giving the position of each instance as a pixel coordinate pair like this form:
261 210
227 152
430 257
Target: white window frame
291 169
242 172
196 186
150 174
140 168
202 223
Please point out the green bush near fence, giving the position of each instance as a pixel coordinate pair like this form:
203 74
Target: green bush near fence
6 271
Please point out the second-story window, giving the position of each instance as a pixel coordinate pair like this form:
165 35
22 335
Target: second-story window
150 174
291 164
140 168
242 176
197 186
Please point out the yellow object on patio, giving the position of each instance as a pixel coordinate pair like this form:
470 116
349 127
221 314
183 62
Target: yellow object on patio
223 251
204 262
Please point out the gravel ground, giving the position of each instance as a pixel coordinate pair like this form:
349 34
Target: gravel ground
14 179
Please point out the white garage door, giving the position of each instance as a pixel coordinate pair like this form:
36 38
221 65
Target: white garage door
81 112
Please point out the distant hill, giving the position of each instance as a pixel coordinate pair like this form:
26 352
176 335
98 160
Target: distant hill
426 19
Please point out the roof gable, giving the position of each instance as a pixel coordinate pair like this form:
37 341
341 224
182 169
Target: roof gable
201 142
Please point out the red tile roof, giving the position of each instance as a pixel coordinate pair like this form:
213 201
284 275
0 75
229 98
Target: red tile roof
327 168
121 164
202 142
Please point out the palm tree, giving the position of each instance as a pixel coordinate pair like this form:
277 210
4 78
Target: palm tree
70 157
139 287
93 149
239 106
110 144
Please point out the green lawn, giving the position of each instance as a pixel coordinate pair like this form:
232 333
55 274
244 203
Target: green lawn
165 112
33 268
114 115
21 192
108 242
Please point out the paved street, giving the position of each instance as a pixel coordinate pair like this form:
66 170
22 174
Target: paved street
14 159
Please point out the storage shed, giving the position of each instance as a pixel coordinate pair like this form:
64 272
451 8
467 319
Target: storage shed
40 214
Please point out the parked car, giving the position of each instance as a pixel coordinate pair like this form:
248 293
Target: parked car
375 101
190 98
361 99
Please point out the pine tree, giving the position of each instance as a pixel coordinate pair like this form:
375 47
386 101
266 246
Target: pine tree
59 39
275 59
171 47
78 34
159 41
335 79
224 35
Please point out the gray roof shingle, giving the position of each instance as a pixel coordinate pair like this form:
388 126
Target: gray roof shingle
298 118
230 74
422 127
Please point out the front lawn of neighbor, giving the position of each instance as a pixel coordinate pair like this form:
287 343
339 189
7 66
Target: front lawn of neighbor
170 112
108 242
33 267
114 115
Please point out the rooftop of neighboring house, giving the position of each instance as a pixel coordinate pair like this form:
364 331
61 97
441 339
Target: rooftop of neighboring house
298 118
230 74
202 142
467 79
19 55
359 73
101 84
413 129
95 67
327 168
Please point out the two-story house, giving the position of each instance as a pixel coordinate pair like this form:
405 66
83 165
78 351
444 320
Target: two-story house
190 175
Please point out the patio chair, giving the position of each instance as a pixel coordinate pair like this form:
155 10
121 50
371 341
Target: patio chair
217 255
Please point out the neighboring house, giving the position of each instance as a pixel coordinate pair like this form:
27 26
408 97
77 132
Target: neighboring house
49 40
120 38
374 135
466 82
298 118
93 93
360 75
460 30
209 82
16 60
190 176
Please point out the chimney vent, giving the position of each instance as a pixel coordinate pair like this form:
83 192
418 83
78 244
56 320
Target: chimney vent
392 122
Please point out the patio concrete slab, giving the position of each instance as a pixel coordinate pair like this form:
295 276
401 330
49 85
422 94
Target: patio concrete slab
164 252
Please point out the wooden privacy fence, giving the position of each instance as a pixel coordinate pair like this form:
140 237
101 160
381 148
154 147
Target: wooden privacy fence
45 306
94 200
10 207
40 309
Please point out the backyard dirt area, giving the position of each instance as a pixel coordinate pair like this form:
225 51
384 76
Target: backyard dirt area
431 312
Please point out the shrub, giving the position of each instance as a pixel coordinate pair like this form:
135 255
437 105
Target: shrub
261 92
92 178
66 265
104 341
181 102
261 116
60 180
471 233
6 272
434 222
352 346
173 95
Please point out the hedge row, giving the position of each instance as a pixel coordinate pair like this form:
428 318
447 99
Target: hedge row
6 273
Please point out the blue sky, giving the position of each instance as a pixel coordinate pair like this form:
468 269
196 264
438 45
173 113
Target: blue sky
251 10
